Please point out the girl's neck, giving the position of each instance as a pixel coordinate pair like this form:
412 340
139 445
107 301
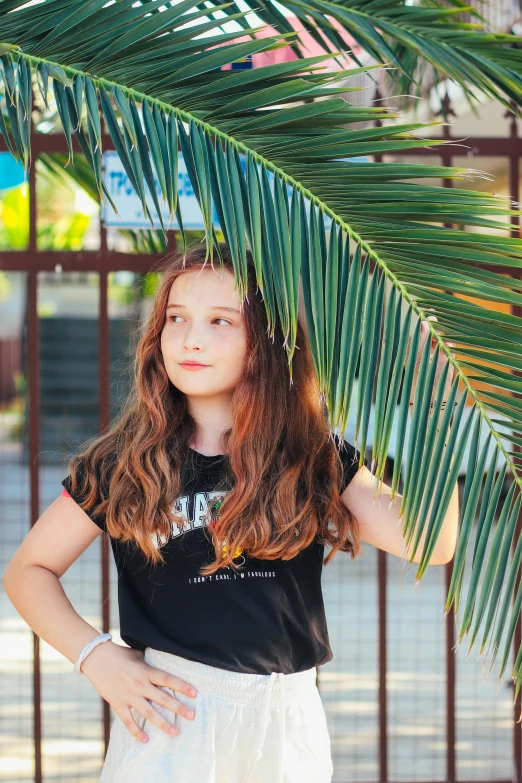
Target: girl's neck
207 451
212 417
210 447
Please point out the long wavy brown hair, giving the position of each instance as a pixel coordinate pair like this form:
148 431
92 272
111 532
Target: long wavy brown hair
283 461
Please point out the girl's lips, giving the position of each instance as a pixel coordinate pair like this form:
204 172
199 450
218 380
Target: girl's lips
193 366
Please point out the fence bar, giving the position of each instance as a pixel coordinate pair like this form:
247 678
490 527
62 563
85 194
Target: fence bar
33 386
451 774
81 261
32 364
103 403
451 661
383 701
381 587
514 190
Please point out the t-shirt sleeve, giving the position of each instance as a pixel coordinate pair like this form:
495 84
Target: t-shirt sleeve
350 461
98 519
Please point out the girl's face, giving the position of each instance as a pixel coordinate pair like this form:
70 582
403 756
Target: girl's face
203 324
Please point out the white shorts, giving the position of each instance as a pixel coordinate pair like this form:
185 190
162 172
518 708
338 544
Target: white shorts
247 728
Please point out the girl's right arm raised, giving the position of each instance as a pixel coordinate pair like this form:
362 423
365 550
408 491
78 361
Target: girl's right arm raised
32 582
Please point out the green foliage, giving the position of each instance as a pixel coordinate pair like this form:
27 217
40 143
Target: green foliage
14 219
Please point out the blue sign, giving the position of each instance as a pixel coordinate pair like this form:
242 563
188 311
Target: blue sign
130 211
12 173
128 203
243 64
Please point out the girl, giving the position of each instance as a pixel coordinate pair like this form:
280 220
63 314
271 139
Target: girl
219 486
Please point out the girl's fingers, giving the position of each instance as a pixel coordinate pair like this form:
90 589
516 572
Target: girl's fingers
151 715
160 677
424 335
127 718
169 701
442 358
424 331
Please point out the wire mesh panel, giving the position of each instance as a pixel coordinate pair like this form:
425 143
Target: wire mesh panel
68 414
349 682
484 709
416 672
16 638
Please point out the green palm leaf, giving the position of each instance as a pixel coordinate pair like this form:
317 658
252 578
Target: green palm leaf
411 37
298 171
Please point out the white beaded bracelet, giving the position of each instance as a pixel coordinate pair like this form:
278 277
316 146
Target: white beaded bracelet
103 637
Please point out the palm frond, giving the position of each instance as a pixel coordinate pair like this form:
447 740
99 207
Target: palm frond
276 169
410 37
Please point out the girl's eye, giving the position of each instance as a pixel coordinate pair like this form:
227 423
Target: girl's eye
215 319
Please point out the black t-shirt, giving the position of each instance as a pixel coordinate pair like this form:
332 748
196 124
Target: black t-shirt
267 617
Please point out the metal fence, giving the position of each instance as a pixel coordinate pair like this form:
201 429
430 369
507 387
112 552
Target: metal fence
401 703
